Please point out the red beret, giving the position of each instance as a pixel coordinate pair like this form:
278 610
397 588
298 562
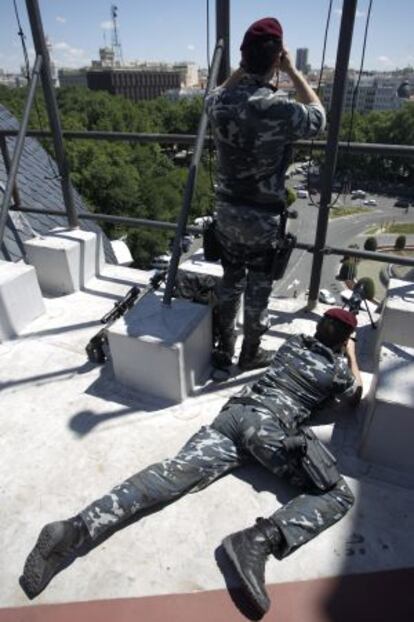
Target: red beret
346 317
266 27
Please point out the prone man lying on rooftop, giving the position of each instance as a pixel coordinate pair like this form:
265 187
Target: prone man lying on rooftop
265 421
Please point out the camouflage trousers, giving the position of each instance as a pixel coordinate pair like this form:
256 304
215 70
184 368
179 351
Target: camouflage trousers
248 237
239 434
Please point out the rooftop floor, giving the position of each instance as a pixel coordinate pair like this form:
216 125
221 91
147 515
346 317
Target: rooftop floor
69 432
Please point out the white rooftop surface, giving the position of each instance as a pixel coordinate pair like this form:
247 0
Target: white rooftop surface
69 432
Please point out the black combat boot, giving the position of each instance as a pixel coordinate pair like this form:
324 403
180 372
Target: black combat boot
56 544
248 550
252 356
223 354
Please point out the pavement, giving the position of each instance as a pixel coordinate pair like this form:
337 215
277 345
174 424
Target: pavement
69 432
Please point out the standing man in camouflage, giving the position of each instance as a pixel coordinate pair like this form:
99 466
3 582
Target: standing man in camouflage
253 130
264 422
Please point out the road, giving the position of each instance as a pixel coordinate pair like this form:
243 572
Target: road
341 232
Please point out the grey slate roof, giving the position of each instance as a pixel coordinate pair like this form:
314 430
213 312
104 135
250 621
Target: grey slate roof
37 188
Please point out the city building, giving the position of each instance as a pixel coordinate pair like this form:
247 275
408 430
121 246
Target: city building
139 80
302 60
375 92
72 77
12 80
133 83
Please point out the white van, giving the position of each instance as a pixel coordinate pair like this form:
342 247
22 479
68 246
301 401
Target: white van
302 194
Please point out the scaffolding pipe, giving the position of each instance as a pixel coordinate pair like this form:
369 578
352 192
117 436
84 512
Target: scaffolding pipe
223 32
331 152
403 151
40 46
14 165
7 164
135 223
191 179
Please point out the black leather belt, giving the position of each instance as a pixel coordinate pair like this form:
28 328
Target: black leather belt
277 207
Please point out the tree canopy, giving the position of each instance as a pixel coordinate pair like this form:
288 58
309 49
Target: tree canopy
122 178
145 181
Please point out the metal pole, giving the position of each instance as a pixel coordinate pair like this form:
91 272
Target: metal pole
403 151
192 174
7 164
223 32
169 226
52 110
331 152
19 147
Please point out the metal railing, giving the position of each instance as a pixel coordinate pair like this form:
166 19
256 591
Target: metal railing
191 178
14 163
220 67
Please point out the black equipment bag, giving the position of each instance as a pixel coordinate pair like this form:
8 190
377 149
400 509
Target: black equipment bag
211 245
201 288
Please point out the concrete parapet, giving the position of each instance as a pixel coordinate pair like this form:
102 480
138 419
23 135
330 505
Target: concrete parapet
159 350
20 298
65 259
388 432
89 249
397 318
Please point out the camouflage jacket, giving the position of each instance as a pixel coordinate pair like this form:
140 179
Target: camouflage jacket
304 374
252 127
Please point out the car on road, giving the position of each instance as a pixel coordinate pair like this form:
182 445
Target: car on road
161 262
370 202
401 203
326 297
358 194
302 194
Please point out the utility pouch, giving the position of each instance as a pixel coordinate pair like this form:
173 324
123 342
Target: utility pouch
282 255
211 245
318 463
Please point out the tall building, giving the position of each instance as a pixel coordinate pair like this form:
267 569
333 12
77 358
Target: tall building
302 59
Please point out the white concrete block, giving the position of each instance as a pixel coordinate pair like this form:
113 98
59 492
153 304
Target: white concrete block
57 263
163 351
122 253
87 241
20 298
397 318
100 261
389 428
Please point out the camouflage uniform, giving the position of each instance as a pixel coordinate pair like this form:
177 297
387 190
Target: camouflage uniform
303 375
252 130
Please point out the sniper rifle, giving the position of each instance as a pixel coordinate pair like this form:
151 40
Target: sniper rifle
97 348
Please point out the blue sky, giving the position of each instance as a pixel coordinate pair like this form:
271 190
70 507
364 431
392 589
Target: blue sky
175 30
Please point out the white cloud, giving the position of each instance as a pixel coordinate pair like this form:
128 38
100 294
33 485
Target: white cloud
384 60
107 25
65 55
61 45
61 20
190 46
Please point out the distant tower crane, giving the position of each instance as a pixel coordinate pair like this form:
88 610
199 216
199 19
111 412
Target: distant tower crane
116 43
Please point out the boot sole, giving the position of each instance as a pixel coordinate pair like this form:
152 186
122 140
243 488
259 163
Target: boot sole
228 547
38 570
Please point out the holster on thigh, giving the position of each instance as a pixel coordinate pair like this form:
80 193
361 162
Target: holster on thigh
316 460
